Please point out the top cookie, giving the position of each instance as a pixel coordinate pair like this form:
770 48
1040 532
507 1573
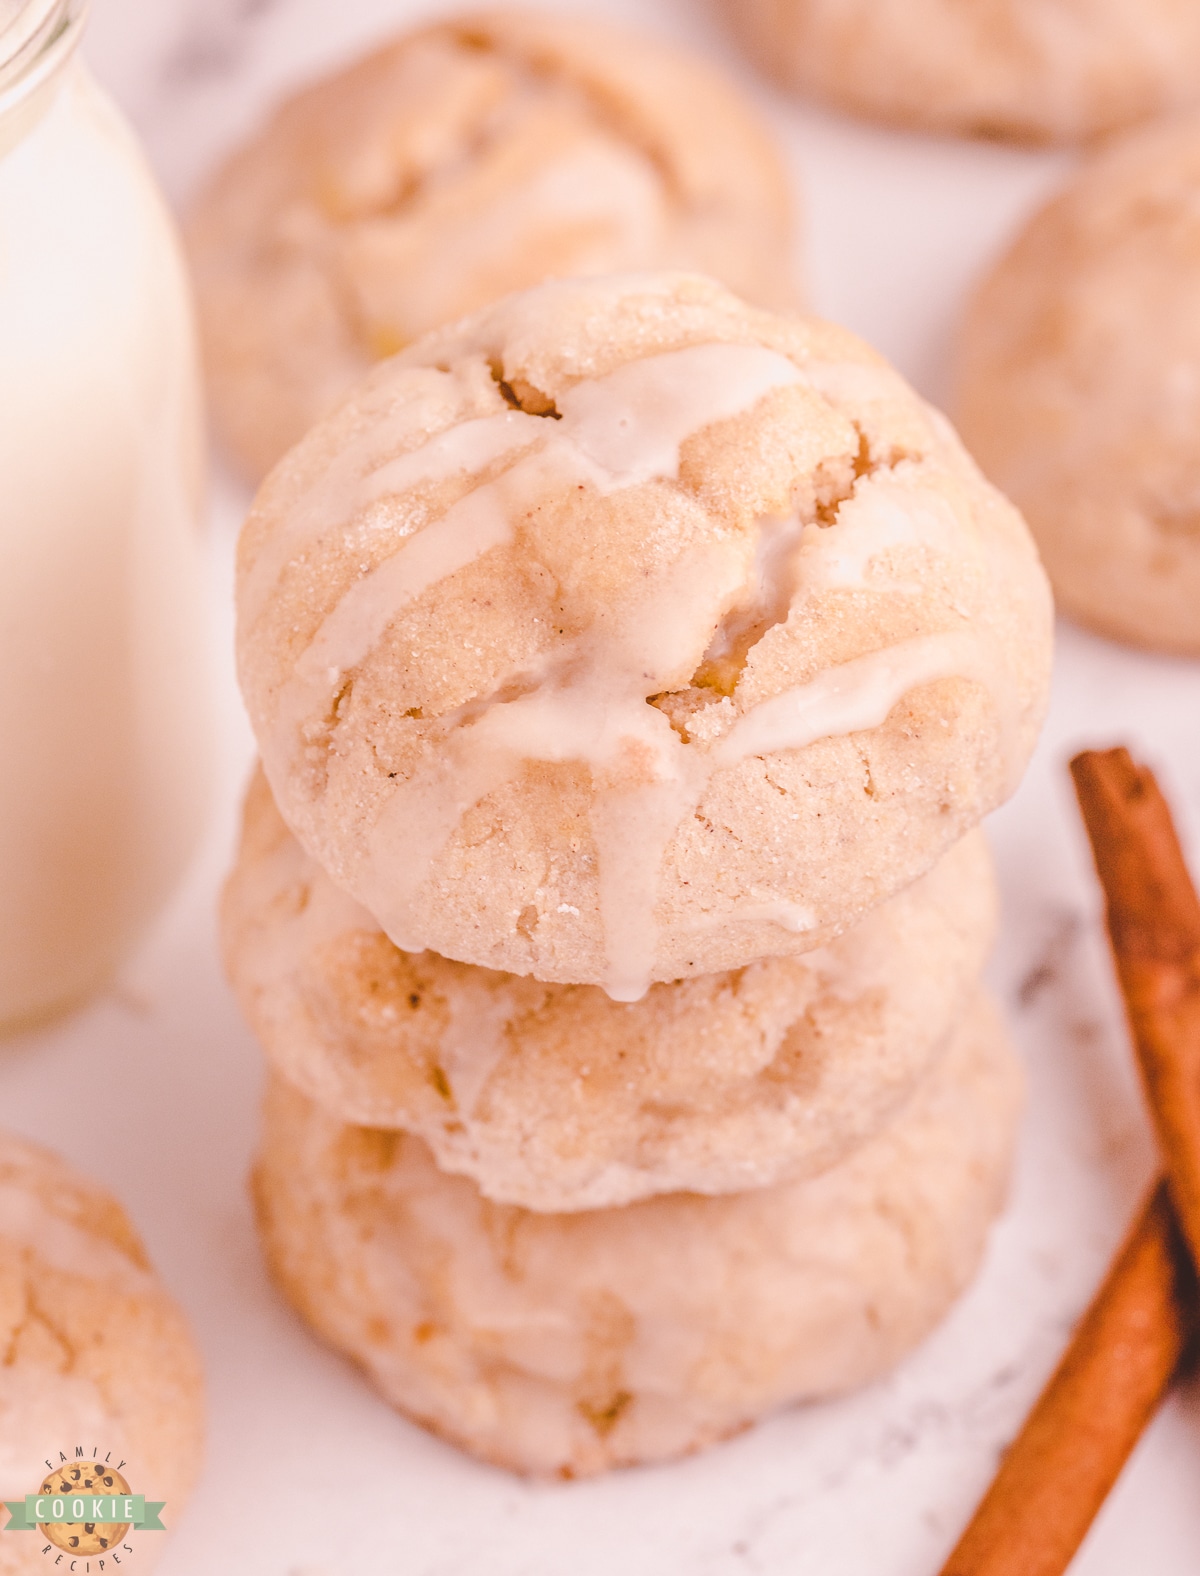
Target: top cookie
458 163
1032 70
1079 388
624 632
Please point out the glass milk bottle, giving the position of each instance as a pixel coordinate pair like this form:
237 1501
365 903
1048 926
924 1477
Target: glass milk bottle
104 726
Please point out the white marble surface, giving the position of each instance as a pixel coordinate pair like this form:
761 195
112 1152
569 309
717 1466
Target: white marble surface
879 1483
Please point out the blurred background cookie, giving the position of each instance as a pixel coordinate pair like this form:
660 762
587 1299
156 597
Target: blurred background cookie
1079 386
555 1097
625 632
565 1344
95 1352
458 163
1032 70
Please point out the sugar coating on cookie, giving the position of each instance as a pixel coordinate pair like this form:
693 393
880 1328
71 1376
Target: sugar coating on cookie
565 1344
554 1097
1032 70
453 165
96 1353
1079 386
625 632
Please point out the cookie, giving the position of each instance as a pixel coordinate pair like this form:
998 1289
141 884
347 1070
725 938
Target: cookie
624 632
565 1344
456 164
96 1356
554 1097
1030 70
1079 387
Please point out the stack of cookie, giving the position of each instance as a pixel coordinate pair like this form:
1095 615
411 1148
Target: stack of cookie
631 669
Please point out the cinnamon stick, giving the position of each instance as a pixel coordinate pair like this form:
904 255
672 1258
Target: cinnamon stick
1070 1452
1154 927
1132 1339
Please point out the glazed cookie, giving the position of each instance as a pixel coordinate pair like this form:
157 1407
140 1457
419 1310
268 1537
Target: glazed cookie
571 1343
624 632
1032 70
1080 387
458 163
95 1353
554 1097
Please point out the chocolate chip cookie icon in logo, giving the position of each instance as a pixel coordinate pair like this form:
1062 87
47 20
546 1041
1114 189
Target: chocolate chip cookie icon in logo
84 1507
89 1482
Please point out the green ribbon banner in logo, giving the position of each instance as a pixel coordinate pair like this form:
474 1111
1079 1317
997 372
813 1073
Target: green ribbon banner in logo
74 1509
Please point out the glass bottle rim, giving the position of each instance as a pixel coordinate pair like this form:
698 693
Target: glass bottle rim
36 38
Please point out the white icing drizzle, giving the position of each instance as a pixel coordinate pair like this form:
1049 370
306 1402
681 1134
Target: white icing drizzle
589 701
634 826
428 398
632 832
469 448
474 1041
890 509
591 708
770 589
419 820
632 423
859 961
275 949
795 559
614 432
474 525
851 697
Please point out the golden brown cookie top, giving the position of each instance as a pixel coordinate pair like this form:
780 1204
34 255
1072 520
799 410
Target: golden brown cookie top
584 641
96 1353
1030 70
60 1217
457 163
1079 385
